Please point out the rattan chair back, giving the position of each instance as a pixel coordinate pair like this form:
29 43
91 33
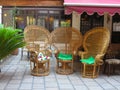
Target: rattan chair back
66 39
36 37
96 41
95 44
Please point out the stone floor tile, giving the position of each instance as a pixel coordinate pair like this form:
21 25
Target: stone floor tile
16 75
12 86
36 86
26 86
51 85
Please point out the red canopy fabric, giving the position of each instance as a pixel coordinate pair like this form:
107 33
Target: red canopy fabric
91 6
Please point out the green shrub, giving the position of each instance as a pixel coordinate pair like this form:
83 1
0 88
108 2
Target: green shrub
10 40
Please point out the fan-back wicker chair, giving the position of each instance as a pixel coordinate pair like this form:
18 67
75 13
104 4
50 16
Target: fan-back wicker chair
37 39
95 44
66 40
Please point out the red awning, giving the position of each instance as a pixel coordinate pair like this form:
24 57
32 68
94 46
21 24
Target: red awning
91 6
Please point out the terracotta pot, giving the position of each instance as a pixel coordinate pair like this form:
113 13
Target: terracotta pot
15 52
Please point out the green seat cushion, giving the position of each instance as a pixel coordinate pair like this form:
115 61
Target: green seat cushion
63 56
90 60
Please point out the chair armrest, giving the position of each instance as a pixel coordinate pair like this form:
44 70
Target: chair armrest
74 52
33 55
99 59
53 49
98 56
82 53
46 52
32 51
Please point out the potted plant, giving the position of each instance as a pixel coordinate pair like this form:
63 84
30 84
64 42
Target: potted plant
10 40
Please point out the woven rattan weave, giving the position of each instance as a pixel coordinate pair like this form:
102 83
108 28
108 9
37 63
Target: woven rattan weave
37 39
95 44
67 40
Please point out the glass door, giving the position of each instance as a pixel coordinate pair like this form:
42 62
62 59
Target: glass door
20 22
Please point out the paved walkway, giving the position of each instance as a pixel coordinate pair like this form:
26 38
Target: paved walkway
15 75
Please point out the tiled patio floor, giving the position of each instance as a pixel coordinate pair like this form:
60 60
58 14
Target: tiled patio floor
16 75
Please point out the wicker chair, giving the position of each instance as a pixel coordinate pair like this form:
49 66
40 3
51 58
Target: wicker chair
95 44
37 39
66 41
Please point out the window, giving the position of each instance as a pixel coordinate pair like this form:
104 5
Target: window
90 21
48 17
116 29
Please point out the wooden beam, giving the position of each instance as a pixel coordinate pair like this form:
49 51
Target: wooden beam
31 2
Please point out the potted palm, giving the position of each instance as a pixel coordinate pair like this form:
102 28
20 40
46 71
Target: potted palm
10 40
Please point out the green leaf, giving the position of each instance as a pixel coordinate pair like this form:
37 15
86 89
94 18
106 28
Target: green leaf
10 40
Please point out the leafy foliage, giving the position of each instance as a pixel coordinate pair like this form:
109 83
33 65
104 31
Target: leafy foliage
10 39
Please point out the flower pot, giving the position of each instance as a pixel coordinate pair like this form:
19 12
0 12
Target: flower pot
15 52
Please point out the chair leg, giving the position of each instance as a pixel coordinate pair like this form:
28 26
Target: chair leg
105 67
72 67
114 67
28 55
109 69
21 53
94 69
48 65
98 69
84 68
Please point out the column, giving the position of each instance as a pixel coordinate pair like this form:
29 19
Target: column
76 20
